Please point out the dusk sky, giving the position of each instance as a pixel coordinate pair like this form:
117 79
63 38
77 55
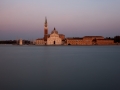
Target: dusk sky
74 18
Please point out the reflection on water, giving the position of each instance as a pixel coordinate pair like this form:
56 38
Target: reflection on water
59 67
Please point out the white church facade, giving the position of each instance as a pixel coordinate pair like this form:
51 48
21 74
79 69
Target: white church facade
54 38
50 39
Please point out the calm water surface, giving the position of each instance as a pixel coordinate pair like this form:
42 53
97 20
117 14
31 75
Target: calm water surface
59 67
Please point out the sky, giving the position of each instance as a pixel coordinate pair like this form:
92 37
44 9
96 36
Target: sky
73 18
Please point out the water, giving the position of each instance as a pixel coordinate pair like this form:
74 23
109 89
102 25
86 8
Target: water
59 67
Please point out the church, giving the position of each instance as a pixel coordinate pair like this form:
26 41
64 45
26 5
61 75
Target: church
50 39
59 39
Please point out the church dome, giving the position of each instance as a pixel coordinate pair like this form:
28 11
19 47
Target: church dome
54 31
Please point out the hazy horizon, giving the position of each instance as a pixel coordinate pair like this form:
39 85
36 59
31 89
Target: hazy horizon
25 18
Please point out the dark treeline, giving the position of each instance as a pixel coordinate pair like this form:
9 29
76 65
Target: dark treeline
8 42
25 42
117 39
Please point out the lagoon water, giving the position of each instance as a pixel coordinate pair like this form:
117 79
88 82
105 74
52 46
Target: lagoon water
59 67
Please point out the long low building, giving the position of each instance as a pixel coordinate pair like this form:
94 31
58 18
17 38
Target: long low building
39 41
89 40
105 42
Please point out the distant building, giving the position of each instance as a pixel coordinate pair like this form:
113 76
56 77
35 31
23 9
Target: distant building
74 41
89 40
50 39
54 38
39 42
104 42
59 39
20 42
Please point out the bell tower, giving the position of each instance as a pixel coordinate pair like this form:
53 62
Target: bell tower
45 29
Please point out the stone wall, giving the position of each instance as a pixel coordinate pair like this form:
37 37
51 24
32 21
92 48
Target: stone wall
39 42
104 42
54 39
89 40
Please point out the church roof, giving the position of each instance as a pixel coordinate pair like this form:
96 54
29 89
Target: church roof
74 38
93 36
54 31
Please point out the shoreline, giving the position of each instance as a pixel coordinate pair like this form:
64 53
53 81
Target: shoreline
57 45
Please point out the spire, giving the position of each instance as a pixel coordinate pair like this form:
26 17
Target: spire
54 28
45 20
